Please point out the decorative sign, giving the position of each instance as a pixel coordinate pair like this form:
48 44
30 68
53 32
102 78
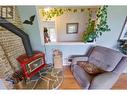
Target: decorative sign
7 12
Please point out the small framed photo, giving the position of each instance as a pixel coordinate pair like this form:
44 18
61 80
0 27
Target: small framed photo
7 12
72 28
123 34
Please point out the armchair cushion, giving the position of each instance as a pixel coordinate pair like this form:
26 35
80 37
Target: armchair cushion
105 58
90 68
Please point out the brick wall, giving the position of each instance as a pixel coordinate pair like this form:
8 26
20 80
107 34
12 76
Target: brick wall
5 67
11 47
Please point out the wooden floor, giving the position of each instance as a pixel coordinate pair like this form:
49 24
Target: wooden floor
70 83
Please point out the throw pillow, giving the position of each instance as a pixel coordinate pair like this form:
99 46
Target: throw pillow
90 68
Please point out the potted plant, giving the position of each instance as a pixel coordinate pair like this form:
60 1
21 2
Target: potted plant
96 27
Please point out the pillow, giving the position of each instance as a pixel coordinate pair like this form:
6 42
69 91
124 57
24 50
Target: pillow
90 68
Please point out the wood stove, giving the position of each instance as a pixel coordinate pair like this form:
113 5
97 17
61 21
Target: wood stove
31 65
31 62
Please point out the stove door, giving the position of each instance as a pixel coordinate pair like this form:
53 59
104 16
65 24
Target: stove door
34 64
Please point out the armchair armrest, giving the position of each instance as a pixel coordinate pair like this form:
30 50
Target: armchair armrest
73 56
79 58
121 65
104 81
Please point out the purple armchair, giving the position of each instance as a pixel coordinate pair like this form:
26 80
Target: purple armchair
110 61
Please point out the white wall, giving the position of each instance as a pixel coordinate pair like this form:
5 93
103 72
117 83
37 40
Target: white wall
61 21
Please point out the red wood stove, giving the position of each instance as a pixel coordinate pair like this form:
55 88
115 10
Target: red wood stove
32 65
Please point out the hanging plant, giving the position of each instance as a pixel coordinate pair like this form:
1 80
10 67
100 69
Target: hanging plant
55 12
96 28
52 13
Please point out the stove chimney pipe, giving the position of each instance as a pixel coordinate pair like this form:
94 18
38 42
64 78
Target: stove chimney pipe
25 37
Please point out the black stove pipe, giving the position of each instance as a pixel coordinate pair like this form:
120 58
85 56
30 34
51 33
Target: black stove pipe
25 37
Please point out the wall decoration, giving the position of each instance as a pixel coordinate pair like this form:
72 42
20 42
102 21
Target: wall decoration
72 28
46 35
7 12
123 34
30 21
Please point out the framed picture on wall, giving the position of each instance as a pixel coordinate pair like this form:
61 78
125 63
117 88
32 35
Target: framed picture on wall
123 34
72 28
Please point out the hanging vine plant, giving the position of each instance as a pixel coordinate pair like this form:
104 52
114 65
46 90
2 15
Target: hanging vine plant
52 13
55 12
96 27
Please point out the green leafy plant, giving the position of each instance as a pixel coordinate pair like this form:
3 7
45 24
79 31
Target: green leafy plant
55 12
87 36
52 13
95 30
